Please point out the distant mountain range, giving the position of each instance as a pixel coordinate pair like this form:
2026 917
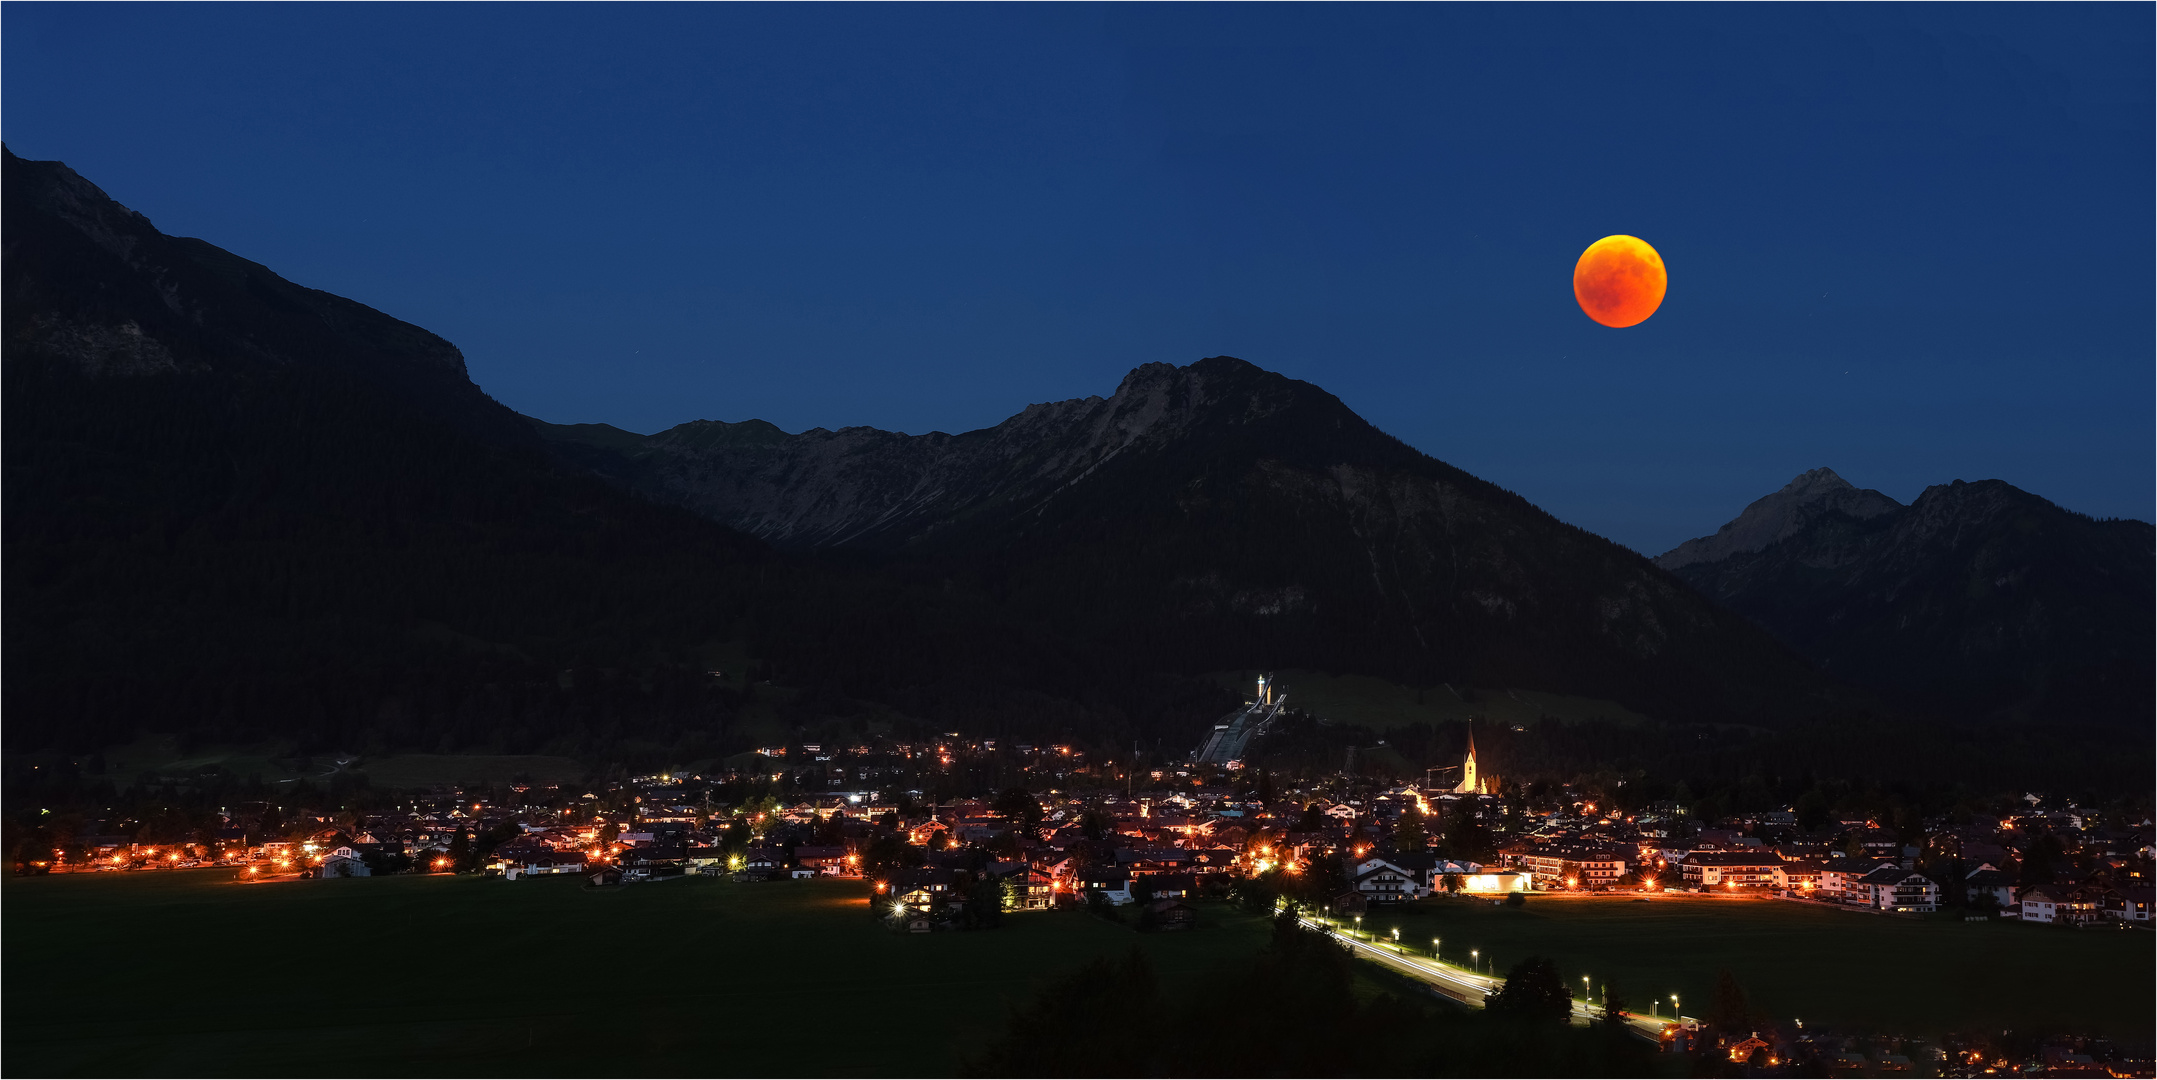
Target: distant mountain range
1220 515
1978 599
240 508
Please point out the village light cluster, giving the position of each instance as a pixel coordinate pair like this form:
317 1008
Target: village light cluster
1206 824
1064 826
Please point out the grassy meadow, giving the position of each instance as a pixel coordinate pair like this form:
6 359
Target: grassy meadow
189 973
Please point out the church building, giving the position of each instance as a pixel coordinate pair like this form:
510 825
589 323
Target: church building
1471 781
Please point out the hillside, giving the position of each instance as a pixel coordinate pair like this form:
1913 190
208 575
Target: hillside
239 510
1978 599
1218 515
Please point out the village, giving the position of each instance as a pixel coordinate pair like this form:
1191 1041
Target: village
1062 833
1147 847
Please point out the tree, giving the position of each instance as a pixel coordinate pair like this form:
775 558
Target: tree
1453 884
1811 811
985 902
762 813
887 855
1615 1009
1104 1019
1534 992
1730 1012
831 831
1408 833
460 850
2038 861
1465 833
1313 819
1019 807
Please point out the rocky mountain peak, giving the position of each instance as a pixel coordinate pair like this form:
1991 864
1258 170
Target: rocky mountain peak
1816 482
1813 494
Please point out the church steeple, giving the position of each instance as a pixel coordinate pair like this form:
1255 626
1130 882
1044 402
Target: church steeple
1468 781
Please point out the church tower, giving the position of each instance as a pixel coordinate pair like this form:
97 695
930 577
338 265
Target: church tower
1468 782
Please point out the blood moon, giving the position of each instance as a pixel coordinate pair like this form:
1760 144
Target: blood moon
1619 281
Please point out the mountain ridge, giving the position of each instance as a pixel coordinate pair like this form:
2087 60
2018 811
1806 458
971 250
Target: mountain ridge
1978 598
311 526
864 486
1773 517
1217 511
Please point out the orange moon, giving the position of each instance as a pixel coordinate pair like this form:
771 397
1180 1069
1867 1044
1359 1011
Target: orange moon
1619 281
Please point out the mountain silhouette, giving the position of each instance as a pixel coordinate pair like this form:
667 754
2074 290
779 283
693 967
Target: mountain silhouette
1976 599
238 508
1220 515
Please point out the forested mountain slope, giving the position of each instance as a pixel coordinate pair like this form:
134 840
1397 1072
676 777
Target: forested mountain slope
1977 599
1218 515
239 509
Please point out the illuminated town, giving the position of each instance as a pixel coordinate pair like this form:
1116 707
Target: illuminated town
1065 827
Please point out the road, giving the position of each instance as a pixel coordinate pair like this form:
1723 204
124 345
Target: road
1460 984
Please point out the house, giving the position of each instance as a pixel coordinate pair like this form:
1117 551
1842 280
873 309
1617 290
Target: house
1113 884
1386 884
1986 883
1574 864
1348 902
1801 876
1413 869
1137 861
762 864
2059 904
605 875
1166 915
924 889
1030 889
1892 888
1839 876
1211 860
343 863
706 860
1171 886
540 864
1754 869
824 860
2130 904
654 861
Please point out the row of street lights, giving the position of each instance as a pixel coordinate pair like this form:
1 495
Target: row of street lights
1475 955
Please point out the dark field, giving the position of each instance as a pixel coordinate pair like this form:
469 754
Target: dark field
183 973
1829 968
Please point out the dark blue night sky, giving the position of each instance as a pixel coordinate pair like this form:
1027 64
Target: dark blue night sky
1910 243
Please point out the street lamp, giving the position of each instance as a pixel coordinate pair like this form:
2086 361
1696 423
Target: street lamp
1359 924
1674 1008
1434 948
1396 939
1476 958
1583 989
